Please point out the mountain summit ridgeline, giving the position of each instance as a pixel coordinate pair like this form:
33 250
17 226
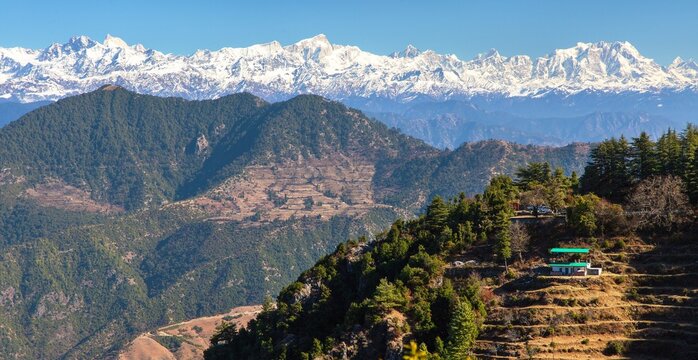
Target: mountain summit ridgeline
317 66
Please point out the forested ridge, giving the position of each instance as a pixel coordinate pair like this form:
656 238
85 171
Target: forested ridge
78 280
618 164
401 296
125 148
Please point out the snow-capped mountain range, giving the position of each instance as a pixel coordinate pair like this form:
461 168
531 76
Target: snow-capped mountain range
317 66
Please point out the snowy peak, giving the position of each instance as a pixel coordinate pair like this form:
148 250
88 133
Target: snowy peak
114 42
78 43
317 66
601 51
677 62
315 48
492 53
409 52
317 41
74 45
601 64
687 69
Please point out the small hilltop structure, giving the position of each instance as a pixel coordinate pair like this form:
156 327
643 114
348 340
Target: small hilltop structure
571 262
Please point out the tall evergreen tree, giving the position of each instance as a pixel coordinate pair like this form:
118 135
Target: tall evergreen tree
534 173
498 197
499 194
644 157
574 182
503 238
557 189
669 153
437 213
608 173
462 331
689 160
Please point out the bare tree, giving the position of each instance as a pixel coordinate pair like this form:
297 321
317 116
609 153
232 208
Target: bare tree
519 238
660 202
535 196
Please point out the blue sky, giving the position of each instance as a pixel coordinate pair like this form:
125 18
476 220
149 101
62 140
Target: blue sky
659 29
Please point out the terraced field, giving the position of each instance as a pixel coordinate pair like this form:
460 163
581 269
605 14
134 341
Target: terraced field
644 306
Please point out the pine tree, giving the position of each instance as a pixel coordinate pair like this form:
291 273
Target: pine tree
316 350
503 238
388 296
225 332
498 197
466 233
689 160
462 331
644 157
574 182
534 173
608 173
556 190
669 153
437 213
620 172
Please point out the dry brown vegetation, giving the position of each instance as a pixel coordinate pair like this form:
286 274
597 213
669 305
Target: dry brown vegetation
57 194
193 335
309 187
642 307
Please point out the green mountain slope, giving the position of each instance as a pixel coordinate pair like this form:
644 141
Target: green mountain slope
467 279
127 149
121 212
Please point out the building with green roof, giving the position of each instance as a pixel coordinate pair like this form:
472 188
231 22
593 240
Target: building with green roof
571 262
569 251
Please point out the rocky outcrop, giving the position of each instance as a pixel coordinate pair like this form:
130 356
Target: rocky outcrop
202 145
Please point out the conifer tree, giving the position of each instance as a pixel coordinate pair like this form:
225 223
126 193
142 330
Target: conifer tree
534 173
557 188
644 157
316 350
437 213
669 153
574 182
503 238
608 174
462 331
689 160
